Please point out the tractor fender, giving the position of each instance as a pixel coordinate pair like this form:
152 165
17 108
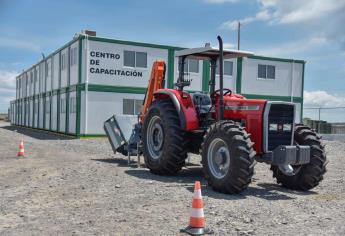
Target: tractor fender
184 107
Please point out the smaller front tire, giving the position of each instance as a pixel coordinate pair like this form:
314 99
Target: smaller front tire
306 176
227 157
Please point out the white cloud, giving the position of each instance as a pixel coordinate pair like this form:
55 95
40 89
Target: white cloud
7 88
290 12
291 49
8 79
323 99
296 11
19 44
314 17
233 24
229 46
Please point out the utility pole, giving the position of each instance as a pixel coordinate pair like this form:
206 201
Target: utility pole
238 35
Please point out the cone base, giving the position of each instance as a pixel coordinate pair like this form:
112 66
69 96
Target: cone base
196 231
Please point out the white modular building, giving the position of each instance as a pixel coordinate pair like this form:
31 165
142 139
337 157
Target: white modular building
80 85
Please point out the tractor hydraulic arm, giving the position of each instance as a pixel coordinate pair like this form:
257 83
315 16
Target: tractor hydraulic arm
156 82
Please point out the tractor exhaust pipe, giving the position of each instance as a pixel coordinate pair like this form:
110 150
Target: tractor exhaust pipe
221 98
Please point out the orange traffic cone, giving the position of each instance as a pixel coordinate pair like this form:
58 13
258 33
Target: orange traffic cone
197 219
21 149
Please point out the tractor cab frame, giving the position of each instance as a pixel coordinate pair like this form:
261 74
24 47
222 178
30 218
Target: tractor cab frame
212 55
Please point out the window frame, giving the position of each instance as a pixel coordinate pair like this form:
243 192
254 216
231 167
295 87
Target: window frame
135 59
266 78
187 61
232 69
134 103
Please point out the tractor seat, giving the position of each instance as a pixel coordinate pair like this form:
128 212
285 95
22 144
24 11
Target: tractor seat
202 102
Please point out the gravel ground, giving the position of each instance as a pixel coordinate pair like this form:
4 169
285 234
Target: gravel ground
76 187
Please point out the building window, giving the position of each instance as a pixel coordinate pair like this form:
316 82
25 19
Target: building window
72 105
141 59
135 59
74 56
63 61
191 66
228 67
132 106
266 72
62 105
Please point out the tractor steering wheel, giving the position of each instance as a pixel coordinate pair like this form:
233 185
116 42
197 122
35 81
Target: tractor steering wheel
228 91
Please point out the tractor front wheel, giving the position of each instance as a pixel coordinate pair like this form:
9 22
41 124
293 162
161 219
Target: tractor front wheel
306 176
163 139
228 157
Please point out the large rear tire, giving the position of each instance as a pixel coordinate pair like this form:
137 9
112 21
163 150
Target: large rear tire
309 175
164 144
228 157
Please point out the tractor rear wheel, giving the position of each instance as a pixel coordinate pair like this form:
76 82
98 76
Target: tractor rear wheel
228 157
164 144
306 176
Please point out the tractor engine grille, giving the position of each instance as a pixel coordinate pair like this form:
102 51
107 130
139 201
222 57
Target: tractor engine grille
278 124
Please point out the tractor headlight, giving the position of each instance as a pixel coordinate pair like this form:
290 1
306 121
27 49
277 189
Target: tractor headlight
287 127
273 127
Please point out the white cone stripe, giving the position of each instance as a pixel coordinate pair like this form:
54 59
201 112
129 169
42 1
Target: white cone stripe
197 212
197 194
21 150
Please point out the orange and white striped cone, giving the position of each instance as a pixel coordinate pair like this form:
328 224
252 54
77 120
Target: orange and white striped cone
197 219
21 149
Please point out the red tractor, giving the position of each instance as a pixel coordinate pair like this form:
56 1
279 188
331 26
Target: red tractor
228 130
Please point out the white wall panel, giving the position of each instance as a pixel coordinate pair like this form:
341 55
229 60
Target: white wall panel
36 113
48 74
47 113
64 71
72 113
27 112
41 113
31 112
37 80
42 78
54 113
82 112
102 105
74 67
280 86
125 76
22 107
62 127
55 79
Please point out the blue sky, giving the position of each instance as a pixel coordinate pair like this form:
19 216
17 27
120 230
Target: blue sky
310 30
